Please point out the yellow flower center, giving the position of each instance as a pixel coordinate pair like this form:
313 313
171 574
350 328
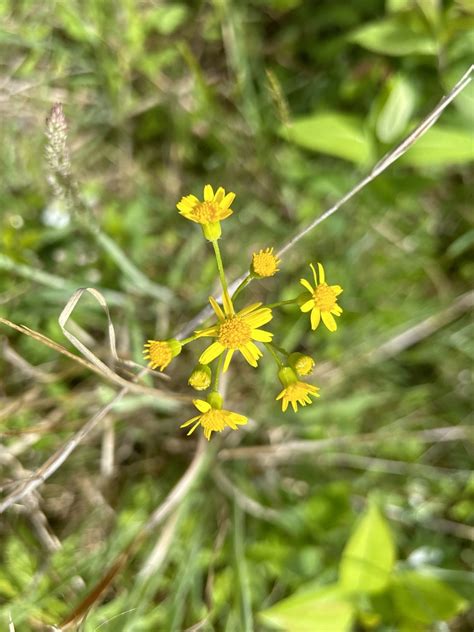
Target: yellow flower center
234 333
304 365
159 353
324 297
213 421
264 263
207 212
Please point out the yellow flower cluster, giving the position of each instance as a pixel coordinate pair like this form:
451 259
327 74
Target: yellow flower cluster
241 330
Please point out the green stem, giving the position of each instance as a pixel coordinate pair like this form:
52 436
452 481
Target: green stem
185 341
217 373
220 268
242 286
280 303
272 350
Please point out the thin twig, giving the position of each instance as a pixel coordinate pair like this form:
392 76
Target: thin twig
247 504
289 450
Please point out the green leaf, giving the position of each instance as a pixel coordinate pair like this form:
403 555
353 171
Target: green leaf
393 119
320 608
441 146
369 555
393 36
332 133
424 598
167 19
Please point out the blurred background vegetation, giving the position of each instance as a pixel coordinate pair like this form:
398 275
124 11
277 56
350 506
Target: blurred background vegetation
288 103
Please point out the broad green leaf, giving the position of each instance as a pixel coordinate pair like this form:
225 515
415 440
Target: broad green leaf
393 119
369 555
392 36
425 599
334 134
441 146
321 608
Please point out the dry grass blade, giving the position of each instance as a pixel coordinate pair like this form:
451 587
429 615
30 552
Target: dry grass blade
93 366
282 452
161 513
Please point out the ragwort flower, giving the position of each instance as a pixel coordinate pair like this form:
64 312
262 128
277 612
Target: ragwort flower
236 332
264 263
208 212
294 392
161 352
322 300
213 417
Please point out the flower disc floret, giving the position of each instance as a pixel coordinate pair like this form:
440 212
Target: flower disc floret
236 332
213 417
161 352
301 363
321 300
264 263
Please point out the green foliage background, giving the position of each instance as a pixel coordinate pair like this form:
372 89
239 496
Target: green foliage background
287 103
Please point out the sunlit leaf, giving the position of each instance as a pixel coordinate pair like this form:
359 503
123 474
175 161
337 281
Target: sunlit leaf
314 609
369 555
334 134
397 110
442 146
393 36
425 599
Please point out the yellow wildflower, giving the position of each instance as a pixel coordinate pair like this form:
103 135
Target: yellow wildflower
200 378
208 212
213 418
294 392
301 363
264 263
235 332
322 300
161 352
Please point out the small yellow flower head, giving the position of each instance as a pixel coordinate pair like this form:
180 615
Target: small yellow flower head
213 417
200 378
236 332
321 300
264 263
301 363
209 212
294 392
161 352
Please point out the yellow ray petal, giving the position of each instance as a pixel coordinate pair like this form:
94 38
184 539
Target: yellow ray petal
306 284
314 274
202 405
260 335
322 276
308 306
219 196
315 318
227 201
337 289
208 193
227 360
216 307
328 320
248 356
211 353
190 421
